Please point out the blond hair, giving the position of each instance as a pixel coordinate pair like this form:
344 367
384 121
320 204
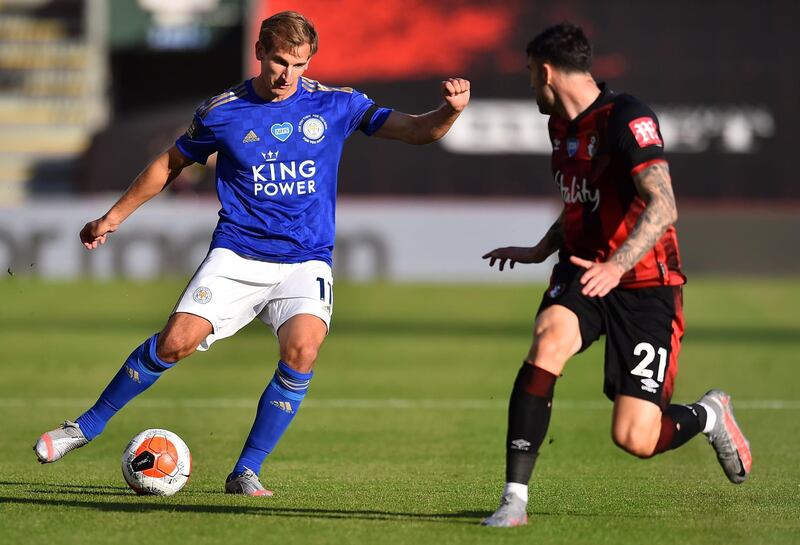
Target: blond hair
287 29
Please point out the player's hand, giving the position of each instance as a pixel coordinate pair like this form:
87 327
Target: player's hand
599 278
515 254
94 233
456 93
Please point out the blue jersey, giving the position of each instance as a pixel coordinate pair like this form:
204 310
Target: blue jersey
277 165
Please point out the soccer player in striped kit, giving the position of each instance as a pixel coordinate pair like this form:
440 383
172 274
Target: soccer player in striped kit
278 138
618 274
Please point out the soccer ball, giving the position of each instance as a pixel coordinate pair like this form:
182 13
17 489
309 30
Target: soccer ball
156 462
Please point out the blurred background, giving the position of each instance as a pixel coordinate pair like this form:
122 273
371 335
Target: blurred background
91 90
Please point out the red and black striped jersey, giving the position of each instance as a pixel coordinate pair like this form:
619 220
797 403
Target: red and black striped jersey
595 157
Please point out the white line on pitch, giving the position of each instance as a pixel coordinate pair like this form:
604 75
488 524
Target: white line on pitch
364 404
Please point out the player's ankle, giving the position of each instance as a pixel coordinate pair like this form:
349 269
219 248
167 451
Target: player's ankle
518 489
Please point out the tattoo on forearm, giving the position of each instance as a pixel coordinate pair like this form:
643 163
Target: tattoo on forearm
655 187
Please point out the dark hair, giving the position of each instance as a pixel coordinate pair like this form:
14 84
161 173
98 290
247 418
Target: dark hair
564 46
287 28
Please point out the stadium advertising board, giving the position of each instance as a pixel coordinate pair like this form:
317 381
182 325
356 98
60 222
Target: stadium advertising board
722 91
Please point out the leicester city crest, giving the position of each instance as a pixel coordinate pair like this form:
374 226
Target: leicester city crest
202 295
313 127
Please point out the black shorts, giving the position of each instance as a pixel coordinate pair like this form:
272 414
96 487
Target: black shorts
643 329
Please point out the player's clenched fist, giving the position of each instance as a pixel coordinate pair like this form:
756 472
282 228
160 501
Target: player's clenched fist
456 93
94 232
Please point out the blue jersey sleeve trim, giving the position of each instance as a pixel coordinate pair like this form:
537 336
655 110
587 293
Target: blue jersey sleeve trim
184 150
379 117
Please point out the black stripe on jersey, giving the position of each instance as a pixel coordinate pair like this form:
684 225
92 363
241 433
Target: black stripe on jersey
367 117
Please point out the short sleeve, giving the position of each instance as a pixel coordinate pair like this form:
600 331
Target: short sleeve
635 130
198 142
364 114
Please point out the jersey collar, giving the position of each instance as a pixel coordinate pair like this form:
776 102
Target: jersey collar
271 103
602 98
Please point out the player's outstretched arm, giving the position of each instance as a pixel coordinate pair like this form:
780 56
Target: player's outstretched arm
550 243
149 183
654 186
431 126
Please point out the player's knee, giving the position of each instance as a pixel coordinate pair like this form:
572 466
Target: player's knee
637 440
549 347
174 347
300 355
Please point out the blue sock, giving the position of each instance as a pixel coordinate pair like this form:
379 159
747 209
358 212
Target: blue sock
276 409
140 370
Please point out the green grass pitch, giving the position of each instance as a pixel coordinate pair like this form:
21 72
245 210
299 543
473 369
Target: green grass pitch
401 437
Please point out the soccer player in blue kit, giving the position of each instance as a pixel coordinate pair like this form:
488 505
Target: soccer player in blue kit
278 139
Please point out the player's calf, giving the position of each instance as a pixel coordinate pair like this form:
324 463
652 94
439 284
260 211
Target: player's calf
636 425
641 445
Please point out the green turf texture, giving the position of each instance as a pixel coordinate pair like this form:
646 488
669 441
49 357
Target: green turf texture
401 437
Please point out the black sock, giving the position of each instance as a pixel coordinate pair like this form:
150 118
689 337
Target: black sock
679 423
528 419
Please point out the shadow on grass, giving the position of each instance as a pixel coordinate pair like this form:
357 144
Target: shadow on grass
64 488
149 504
146 504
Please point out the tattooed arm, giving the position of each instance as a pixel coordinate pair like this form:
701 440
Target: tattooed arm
655 188
551 242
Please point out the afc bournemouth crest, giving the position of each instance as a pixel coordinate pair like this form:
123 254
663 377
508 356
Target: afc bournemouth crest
592 143
555 290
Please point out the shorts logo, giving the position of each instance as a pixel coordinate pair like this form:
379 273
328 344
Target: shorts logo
520 444
555 291
201 295
572 146
649 385
645 131
313 127
282 131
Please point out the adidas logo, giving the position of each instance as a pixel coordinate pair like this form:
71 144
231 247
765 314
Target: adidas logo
285 406
250 137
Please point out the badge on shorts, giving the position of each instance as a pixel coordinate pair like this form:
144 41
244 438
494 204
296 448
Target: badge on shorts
555 291
202 295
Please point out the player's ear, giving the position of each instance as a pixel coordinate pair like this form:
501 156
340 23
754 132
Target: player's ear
547 73
259 50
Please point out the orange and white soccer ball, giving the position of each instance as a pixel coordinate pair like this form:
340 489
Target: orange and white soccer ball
156 462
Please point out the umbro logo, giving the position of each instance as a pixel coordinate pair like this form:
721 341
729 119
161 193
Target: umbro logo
250 137
649 385
520 444
285 406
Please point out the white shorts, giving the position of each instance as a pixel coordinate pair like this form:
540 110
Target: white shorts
229 291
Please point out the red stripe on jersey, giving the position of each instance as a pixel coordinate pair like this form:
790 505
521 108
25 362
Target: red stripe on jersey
675 348
641 166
